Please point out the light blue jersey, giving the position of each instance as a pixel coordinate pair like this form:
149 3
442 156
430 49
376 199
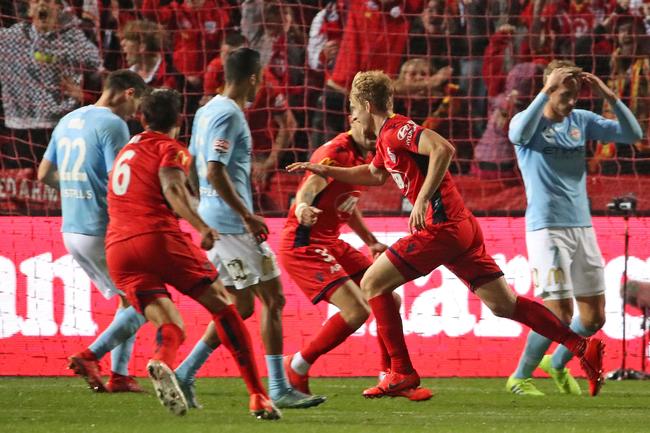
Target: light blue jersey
83 147
551 157
220 134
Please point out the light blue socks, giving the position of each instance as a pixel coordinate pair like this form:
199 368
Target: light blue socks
562 356
278 383
536 347
119 338
186 372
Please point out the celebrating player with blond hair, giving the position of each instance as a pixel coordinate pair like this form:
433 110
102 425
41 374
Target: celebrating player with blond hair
443 232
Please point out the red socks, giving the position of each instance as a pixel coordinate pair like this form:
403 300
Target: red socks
168 339
542 320
385 357
233 334
390 330
333 333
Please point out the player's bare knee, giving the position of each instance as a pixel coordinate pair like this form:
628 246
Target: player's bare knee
213 299
564 314
594 323
246 311
370 286
274 302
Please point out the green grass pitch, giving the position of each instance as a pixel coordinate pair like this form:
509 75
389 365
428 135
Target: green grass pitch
52 405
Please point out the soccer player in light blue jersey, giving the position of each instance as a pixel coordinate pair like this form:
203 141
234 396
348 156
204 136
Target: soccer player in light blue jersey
549 138
77 162
221 145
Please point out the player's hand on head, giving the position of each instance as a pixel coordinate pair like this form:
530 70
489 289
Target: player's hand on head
208 237
307 215
557 77
257 227
417 219
377 249
597 85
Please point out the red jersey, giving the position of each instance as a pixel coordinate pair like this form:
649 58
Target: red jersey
337 201
196 30
136 204
213 79
397 152
270 101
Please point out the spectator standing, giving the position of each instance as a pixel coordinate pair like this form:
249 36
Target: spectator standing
43 80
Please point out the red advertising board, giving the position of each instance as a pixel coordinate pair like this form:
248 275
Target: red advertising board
49 309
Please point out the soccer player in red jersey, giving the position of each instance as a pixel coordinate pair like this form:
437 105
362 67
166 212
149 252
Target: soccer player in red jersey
146 250
443 232
324 266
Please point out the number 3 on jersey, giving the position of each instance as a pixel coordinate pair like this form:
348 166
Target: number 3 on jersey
122 173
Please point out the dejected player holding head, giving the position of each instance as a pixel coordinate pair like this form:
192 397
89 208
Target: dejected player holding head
549 138
443 232
146 250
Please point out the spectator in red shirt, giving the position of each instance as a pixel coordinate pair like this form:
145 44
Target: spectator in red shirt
374 37
499 58
325 35
273 126
213 79
197 28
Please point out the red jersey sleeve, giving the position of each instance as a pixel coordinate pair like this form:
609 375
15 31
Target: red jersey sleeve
378 160
175 156
404 136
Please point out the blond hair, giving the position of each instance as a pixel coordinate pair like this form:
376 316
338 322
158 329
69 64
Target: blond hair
374 87
556 64
417 61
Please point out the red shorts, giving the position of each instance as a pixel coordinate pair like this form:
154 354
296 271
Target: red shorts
142 265
320 269
459 246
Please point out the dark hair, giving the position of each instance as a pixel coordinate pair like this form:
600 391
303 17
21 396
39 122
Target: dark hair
241 64
234 39
124 79
161 109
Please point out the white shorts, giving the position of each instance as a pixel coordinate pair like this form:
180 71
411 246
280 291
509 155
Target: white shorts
565 263
90 254
242 262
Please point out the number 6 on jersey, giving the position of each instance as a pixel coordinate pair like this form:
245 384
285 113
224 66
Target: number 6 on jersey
122 173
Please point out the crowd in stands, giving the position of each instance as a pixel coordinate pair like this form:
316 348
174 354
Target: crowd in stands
461 67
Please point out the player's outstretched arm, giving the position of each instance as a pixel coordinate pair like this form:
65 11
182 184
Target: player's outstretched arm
440 152
174 188
306 213
365 174
48 174
358 225
220 181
